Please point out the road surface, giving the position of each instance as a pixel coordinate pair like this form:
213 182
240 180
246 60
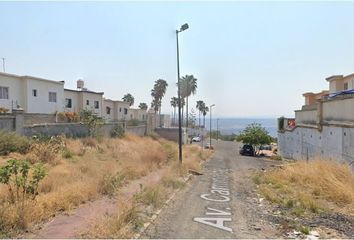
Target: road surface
221 203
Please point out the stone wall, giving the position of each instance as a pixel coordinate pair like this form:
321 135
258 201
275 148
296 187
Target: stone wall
309 143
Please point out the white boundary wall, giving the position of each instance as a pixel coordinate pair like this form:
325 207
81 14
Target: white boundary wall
332 143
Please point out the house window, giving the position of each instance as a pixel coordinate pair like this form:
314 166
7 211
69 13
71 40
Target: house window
34 92
125 111
87 102
52 97
108 110
346 86
97 104
120 109
4 93
68 103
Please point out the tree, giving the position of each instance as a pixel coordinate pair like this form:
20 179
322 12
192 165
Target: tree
188 86
157 93
200 106
143 106
205 110
192 118
129 99
174 104
255 135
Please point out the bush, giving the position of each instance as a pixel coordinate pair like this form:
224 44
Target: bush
118 131
110 183
11 142
45 149
3 110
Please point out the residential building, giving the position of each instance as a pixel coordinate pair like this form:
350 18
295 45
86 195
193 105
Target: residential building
77 100
139 114
32 94
324 127
115 110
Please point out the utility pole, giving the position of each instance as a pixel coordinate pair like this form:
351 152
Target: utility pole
183 27
211 107
3 64
217 129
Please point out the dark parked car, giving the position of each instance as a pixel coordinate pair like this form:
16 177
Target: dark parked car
247 150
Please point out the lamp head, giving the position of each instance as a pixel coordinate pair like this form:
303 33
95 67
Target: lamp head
184 27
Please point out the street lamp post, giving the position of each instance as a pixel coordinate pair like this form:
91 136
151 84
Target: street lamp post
217 129
183 27
211 107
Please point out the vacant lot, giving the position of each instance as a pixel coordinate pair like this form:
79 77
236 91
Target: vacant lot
81 170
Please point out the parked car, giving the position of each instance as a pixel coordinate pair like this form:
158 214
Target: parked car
208 146
247 150
196 139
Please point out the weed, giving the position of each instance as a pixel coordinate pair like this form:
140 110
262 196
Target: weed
11 142
152 196
110 183
67 153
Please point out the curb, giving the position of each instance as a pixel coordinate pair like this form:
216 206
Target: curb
157 212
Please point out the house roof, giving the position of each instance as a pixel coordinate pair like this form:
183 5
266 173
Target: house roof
31 77
83 91
334 77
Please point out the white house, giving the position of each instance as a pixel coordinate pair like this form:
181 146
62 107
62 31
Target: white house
139 114
32 94
77 100
115 110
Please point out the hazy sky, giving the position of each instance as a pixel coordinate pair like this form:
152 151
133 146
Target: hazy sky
251 59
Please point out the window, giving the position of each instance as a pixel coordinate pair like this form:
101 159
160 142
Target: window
108 110
52 97
87 102
68 103
120 109
125 111
34 92
346 86
97 104
4 93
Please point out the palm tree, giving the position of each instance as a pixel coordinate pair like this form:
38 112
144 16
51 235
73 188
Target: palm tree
129 99
174 104
157 93
188 87
200 106
143 106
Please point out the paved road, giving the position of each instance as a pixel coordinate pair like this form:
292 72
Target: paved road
216 204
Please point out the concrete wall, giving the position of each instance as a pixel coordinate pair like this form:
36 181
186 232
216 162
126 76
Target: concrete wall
306 116
77 129
7 123
332 143
172 134
119 108
339 109
92 97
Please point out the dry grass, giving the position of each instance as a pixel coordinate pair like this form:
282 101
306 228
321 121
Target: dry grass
310 187
85 169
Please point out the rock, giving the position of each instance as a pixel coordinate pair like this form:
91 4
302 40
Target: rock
257 228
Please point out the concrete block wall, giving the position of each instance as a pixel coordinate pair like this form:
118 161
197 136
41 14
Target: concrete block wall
332 143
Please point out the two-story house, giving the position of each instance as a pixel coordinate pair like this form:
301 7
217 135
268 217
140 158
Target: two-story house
32 94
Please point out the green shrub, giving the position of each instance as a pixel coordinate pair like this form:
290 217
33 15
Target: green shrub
118 131
110 183
67 153
11 142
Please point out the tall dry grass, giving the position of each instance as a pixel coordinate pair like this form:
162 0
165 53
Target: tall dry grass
87 169
314 186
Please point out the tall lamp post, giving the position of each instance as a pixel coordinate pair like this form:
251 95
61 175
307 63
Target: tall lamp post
211 107
183 27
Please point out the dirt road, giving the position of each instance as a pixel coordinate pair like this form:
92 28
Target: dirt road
221 203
